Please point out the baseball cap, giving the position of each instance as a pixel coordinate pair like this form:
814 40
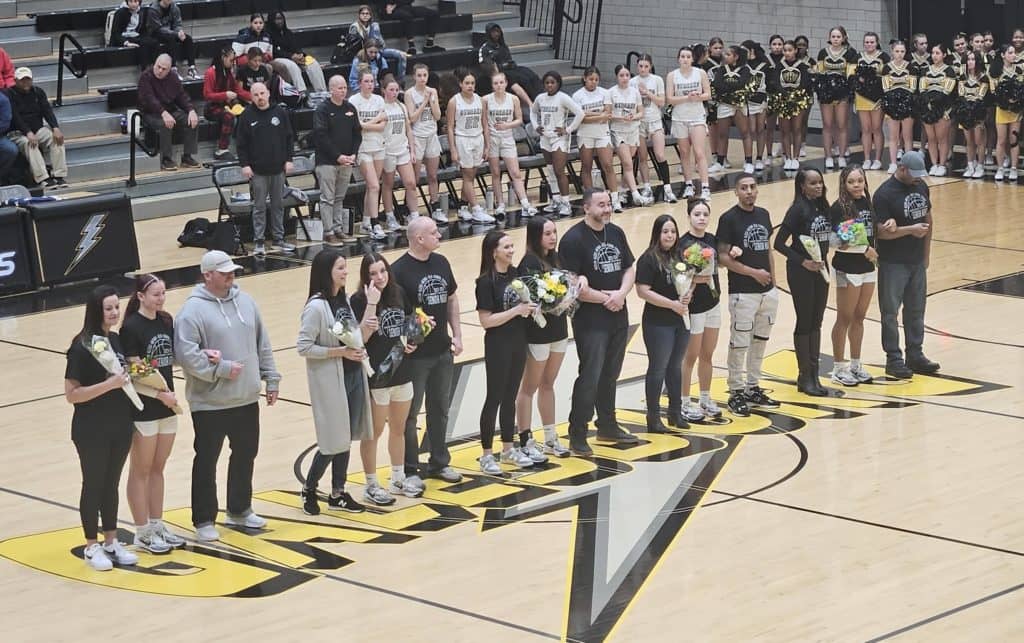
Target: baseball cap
914 162
22 72
219 261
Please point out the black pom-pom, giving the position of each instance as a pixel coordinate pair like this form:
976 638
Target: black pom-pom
969 113
832 88
898 104
1008 95
867 83
932 106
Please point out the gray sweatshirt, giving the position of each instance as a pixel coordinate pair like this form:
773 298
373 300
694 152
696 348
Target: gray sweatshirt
233 326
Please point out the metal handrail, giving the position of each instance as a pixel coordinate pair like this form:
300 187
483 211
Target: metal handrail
65 61
134 141
574 26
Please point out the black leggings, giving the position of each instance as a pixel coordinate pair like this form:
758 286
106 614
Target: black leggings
102 456
810 295
339 470
504 361
408 13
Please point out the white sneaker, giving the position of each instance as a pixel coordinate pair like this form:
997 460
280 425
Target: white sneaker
759 165
841 375
565 209
835 150
489 465
711 409
616 204
439 215
171 538
516 456
969 170
829 163
1006 162
250 521
400 488
117 553
726 164
392 222
640 199
715 168
892 168
803 150
150 540
556 448
999 175
646 190
933 170
687 193
465 214
842 162
534 451
553 205
692 412
876 164
670 197
365 227
942 171
480 216
748 168
860 374
378 233
989 160
207 533
527 210
97 558
979 172
378 495
705 192
414 482
1012 176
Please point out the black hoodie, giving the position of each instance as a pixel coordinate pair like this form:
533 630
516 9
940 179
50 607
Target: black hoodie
496 52
264 139
283 38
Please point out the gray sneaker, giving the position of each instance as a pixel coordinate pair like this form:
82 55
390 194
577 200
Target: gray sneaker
171 538
283 246
378 495
516 457
489 465
447 474
692 412
405 488
860 374
151 540
556 448
534 451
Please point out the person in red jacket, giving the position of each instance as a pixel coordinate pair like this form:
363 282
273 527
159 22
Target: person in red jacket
6 70
222 91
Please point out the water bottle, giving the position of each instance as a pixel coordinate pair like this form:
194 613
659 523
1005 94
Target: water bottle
596 180
124 123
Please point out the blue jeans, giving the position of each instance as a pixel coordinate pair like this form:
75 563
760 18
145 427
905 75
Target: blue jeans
906 285
666 346
396 62
600 352
8 153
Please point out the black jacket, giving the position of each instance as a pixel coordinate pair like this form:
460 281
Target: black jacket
121 18
30 110
264 139
283 38
495 52
336 131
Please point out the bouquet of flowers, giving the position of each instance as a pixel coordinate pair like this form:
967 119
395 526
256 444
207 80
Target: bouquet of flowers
555 292
144 373
100 348
852 233
814 250
348 333
526 296
701 259
682 278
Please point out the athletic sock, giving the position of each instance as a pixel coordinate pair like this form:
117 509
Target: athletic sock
550 435
524 437
371 479
705 397
854 364
398 473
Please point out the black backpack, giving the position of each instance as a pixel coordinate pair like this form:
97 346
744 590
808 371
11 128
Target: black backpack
347 49
197 233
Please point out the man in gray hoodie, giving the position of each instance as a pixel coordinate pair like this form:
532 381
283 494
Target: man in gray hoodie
224 351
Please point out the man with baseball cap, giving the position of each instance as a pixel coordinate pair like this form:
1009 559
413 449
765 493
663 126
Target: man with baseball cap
903 220
224 350
38 130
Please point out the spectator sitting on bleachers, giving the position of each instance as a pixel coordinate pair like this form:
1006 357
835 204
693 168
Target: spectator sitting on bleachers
256 35
522 81
37 130
286 49
165 27
165 106
222 92
366 27
6 70
254 71
406 13
369 56
131 20
8 150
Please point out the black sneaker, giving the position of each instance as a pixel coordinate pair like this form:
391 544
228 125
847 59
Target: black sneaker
756 396
224 155
616 434
310 504
411 51
738 404
923 365
61 183
167 165
345 502
50 182
189 162
578 447
898 370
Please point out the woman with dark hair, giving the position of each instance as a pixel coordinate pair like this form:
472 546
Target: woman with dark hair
705 317
1004 78
369 59
594 137
803 44
937 86
222 91
687 89
731 82
545 346
522 81
807 216
854 269
899 88
775 44
253 36
390 387
147 335
867 92
834 95
790 90
970 111
550 119
627 111
710 65
333 369
757 103
285 49
101 428
468 140
502 315
652 130
665 332
365 27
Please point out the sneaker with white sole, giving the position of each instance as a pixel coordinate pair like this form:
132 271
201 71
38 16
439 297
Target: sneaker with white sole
534 452
119 555
366 227
479 215
489 465
413 483
616 203
207 533
829 163
979 172
556 448
692 412
249 521
439 215
711 409
892 168
378 495
726 164
1012 174
757 396
715 168
803 150
391 221
999 175
399 487
842 375
969 170
527 210
515 456
748 168
378 234
465 214
97 558
344 502
499 211
646 190
259 250
150 540
171 538
448 474
705 192
860 374
758 165
687 192
876 164
565 209
553 205
283 246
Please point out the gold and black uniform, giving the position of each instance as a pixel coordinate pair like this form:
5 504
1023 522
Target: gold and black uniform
937 89
832 84
899 87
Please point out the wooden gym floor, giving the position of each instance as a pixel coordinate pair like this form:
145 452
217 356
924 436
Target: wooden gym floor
893 512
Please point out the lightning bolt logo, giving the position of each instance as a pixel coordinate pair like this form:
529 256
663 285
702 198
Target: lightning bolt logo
90 239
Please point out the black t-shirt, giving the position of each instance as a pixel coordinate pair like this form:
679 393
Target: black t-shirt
109 413
601 257
652 272
391 322
494 294
343 310
804 218
854 263
428 284
557 328
704 298
750 232
907 204
150 339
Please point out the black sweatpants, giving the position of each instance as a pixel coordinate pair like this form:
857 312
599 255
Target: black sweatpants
504 362
178 50
241 426
102 456
408 13
810 295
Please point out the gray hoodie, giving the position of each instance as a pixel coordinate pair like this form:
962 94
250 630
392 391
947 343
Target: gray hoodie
233 326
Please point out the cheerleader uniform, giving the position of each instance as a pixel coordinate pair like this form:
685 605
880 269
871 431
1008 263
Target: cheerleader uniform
1007 108
758 100
732 85
899 86
424 130
549 112
651 121
593 135
972 101
709 66
624 103
469 131
919 63
867 81
372 147
689 114
396 146
937 87
789 88
832 72
502 142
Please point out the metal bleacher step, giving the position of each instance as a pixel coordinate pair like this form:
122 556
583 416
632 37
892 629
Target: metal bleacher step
72 85
507 20
11 28
27 46
477 6
29 7
529 53
8 9
563 67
